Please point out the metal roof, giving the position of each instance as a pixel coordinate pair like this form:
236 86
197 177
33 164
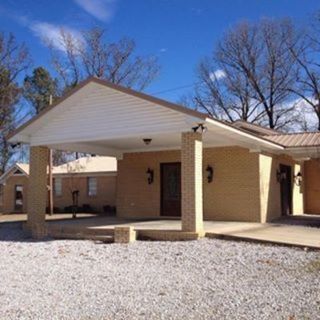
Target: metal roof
303 139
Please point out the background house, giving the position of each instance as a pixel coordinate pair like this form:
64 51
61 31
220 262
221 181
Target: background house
94 177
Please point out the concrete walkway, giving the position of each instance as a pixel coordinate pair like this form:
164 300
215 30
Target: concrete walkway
279 233
268 232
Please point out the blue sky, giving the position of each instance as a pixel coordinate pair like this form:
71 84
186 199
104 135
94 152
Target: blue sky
179 32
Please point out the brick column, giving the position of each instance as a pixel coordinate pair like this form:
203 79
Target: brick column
191 182
37 191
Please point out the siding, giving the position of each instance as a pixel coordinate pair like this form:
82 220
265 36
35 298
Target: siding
104 110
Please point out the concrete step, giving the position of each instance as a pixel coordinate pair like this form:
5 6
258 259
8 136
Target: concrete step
67 232
80 236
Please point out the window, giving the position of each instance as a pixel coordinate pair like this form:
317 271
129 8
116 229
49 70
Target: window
92 187
57 186
18 198
1 194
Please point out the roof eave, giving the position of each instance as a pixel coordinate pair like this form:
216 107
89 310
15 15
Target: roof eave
265 142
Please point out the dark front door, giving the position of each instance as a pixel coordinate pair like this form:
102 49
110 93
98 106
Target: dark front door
171 189
286 190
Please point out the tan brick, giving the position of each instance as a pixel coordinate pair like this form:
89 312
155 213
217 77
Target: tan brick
37 194
311 180
191 182
240 190
124 234
270 201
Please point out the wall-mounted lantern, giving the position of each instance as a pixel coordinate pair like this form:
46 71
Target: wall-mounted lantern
150 175
298 179
281 176
147 141
200 127
209 171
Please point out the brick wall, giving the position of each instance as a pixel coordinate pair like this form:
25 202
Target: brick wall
9 193
233 194
106 192
311 179
234 191
244 186
270 187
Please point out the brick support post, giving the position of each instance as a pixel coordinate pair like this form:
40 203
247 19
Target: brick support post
37 191
191 182
124 234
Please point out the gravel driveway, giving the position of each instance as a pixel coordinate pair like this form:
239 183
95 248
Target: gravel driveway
205 279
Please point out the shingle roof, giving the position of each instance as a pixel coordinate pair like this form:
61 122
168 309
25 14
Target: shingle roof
303 139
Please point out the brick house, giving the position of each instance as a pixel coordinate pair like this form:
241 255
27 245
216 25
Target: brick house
174 161
94 177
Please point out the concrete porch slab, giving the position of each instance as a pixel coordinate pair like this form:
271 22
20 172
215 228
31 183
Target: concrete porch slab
303 236
278 233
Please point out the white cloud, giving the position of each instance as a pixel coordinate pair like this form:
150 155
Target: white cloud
217 75
163 50
53 34
100 9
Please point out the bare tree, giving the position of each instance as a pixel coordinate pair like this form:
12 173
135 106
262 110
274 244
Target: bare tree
307 56
258 70
14 61
225 95
93 55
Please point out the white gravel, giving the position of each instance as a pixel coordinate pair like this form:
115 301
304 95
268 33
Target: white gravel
206 279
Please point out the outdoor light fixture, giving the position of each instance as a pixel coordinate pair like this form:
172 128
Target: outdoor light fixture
150 175
147 141
298 179
281 176
14 145
201 127
209 170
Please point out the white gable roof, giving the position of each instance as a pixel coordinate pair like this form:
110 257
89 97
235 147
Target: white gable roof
98 111
103 118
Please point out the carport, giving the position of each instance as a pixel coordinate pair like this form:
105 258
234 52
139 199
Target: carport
102 118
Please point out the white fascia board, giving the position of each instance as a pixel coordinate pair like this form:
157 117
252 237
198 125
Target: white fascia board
251 138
